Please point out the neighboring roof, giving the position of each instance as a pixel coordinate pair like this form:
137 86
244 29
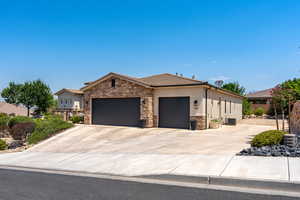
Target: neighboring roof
168 80
12 109
69 91
261 94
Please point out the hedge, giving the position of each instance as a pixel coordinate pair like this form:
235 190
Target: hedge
268 138
77 119
19 119
4 119
20 131
3 145
46 128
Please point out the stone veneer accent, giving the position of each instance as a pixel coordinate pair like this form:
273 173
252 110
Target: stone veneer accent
122 89
295 119
200 122
155 121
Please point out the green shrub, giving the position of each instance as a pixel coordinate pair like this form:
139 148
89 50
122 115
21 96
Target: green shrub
216 121
4 118
21 130
46 128
247 107
19 119
259 111
50 116
3 145
77 119
268 138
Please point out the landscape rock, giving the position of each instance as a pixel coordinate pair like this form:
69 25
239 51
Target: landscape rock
4 134
275 151
15 144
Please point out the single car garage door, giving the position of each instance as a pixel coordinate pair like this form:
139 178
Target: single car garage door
116 111
174 112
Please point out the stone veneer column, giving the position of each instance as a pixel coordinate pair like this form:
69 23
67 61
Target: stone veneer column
200 122
147 110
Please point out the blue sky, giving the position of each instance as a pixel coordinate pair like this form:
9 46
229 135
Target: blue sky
66 43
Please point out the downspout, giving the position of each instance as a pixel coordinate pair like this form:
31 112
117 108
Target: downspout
206 108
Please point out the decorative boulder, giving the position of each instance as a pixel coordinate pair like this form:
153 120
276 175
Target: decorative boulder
295 119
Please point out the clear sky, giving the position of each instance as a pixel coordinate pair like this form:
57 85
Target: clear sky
66 43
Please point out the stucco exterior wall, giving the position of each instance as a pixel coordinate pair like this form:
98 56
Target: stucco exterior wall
216 110
74 101
197 111
195 93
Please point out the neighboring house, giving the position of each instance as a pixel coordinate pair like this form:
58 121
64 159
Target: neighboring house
163 100
261 99
70 100
12 109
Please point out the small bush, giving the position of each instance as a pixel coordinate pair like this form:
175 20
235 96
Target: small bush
259 111
46 128
4 118
268 138
52 117
77 119
20 131
19 119
3 145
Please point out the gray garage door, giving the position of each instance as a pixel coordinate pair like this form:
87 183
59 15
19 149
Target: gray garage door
174 112
116 111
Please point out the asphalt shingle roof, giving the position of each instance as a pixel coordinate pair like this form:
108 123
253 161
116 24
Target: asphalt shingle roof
168 79
261 94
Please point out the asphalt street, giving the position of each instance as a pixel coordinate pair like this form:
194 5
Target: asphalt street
30 185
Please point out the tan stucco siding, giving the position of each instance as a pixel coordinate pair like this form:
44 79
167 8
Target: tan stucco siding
215 110
195 94
70 101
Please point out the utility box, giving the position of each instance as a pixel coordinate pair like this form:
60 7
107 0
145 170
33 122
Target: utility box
290 140
231 121
193 124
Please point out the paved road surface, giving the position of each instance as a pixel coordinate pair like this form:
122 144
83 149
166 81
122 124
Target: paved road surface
26 185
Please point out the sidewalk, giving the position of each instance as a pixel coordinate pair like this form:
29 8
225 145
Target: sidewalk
130 164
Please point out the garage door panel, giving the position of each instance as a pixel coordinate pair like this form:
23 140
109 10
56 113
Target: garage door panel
116 111
174 112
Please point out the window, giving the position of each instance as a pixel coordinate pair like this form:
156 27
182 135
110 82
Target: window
225 106
61 102
230 107
113 83
66 101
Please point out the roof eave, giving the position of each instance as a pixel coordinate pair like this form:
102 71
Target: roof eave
94 83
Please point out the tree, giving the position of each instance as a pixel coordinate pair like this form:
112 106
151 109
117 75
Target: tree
280 98
11 93
240 90
27 96
292 87
235 87
246 107
43 98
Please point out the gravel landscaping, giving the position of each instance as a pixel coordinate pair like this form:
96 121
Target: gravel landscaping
275 151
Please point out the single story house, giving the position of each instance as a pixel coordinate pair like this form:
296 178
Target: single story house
261 99
163 100
14 110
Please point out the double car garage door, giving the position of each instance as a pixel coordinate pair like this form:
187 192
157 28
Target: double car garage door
173 112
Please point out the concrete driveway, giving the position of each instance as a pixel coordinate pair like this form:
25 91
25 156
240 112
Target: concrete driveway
109 139
134 152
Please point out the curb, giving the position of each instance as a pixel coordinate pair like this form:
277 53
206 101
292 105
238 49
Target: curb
230 182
